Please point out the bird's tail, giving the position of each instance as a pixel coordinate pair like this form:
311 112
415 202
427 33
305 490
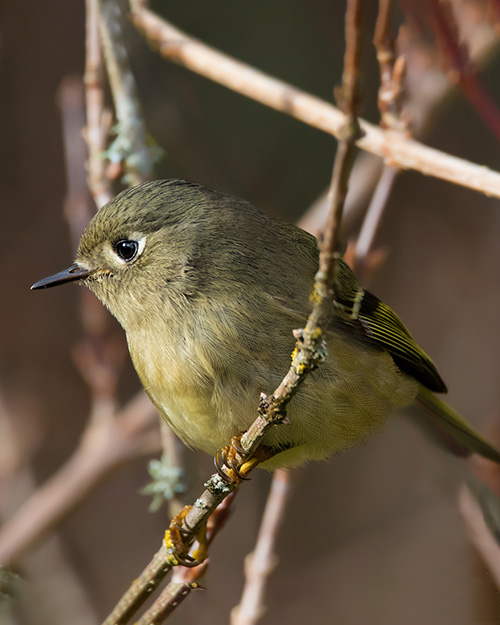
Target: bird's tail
455 431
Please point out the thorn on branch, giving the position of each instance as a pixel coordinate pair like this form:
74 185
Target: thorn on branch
392 71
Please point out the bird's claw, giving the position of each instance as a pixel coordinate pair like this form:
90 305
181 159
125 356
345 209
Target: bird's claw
233 463
174 541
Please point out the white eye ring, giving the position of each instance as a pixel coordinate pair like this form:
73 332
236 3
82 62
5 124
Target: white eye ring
127 250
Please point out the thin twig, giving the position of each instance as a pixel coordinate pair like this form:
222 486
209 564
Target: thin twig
364 177
216 490
398 150
98 119
173 453
390 106
425 88
103 447
479 534
185 579
310 350
130 147
392 70
76 202
170 599
261 562
384 44
461 70
50 565
349 134
373 216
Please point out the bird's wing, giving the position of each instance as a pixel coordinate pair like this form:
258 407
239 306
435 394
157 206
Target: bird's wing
363 317
368 319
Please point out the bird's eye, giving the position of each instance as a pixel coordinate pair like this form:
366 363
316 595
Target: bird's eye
126 249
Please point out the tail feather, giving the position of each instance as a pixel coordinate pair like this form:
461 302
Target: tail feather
449 422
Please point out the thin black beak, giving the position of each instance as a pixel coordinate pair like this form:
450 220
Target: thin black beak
75 272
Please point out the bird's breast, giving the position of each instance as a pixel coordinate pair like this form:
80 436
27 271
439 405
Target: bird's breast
209 394
190 391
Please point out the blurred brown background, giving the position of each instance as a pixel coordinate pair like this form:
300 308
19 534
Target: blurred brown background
396 549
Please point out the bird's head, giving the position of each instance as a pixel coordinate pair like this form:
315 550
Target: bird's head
147 245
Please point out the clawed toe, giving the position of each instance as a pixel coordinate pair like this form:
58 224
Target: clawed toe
175 542
231 464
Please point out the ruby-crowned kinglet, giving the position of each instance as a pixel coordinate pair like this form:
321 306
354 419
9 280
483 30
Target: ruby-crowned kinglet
209 289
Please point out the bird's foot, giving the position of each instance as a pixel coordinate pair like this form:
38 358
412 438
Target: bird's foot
176 546
233 463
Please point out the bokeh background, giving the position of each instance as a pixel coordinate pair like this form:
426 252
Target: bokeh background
373 536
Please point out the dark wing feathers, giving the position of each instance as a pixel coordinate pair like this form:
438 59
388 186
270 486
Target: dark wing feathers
374 322
384 327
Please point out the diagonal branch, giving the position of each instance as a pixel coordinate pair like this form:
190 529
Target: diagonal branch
260 563
184 579
105 446
441 17
398 150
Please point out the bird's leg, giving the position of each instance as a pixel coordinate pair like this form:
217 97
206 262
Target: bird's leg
233 464
176 546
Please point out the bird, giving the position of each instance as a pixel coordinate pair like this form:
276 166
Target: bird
209 290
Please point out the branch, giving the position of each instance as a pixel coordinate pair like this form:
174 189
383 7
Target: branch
261 562
185 579
390 102
103 447
172 470
98 119
170 599
461 70
373 217
479 534
392 70
130 147
425 89
398 150
390 94
76 201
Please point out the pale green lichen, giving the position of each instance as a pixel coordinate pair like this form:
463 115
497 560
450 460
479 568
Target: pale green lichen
166 482
218 486
199 503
